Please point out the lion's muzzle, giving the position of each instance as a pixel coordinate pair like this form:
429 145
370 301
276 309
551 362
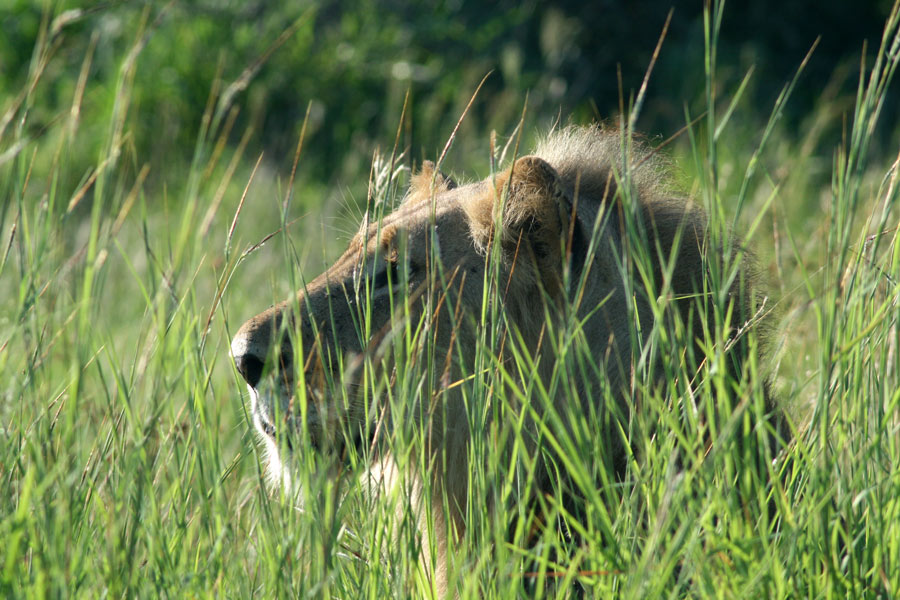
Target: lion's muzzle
252 345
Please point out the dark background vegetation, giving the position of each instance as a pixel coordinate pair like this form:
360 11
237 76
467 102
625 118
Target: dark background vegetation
352 62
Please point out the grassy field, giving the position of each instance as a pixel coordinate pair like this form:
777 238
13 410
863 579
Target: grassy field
127 463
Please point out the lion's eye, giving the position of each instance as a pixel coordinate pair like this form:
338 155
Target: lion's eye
387 276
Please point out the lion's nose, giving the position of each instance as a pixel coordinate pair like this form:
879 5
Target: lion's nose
249 355
250 367
253 343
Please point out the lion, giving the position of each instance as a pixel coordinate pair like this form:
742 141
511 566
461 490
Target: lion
551 240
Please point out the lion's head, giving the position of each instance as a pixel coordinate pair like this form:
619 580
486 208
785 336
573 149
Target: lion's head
545 243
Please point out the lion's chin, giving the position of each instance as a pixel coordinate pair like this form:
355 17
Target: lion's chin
275 418
275 444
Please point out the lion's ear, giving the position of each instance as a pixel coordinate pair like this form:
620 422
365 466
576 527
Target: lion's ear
536 209
420 185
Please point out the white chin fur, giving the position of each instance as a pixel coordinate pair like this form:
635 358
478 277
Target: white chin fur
276 470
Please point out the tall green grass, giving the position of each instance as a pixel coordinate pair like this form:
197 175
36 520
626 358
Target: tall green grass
126 459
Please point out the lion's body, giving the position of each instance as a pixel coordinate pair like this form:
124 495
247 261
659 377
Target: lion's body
562 242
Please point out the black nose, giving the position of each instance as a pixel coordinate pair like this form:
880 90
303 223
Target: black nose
250 368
